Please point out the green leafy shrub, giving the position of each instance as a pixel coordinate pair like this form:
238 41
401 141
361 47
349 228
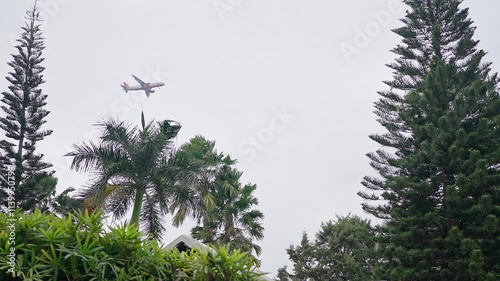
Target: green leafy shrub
77 247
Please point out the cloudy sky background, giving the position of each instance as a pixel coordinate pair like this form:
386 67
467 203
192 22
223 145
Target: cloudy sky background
286 87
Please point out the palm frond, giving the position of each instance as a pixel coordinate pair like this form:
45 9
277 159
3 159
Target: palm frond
208 202
93 157
151 216
95 190
120 201
161 189
85 157
185 203
230 188
118 133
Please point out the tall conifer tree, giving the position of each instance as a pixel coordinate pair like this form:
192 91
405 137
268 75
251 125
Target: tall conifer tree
438 189
24 116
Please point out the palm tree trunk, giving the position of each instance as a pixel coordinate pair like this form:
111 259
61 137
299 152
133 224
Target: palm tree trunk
137 208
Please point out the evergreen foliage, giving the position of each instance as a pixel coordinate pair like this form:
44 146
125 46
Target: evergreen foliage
439 183
342 250
24 108
77 247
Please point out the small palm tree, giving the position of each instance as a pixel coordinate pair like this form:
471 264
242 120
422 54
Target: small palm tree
194 169
234 220
129 165
223 208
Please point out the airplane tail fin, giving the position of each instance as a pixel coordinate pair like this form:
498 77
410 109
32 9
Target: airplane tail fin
125 87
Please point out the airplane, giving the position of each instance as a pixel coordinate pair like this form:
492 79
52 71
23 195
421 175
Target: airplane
146 87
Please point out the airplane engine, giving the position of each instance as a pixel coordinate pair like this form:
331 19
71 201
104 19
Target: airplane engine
152 91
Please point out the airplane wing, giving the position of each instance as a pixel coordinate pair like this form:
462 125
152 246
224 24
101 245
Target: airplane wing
139 81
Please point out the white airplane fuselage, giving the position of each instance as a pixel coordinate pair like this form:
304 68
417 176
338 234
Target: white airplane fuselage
143 86
146 87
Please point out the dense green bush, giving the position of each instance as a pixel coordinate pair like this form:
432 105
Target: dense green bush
78 248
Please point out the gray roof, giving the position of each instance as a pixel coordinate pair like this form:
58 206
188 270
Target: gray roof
265 278
189 242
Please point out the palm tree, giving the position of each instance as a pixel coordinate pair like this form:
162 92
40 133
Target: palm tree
194 168
213 195
234 220
129 166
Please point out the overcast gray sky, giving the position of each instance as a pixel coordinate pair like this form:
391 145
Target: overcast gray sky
286 87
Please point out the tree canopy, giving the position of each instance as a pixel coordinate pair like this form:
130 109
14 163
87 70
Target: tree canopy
343 249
